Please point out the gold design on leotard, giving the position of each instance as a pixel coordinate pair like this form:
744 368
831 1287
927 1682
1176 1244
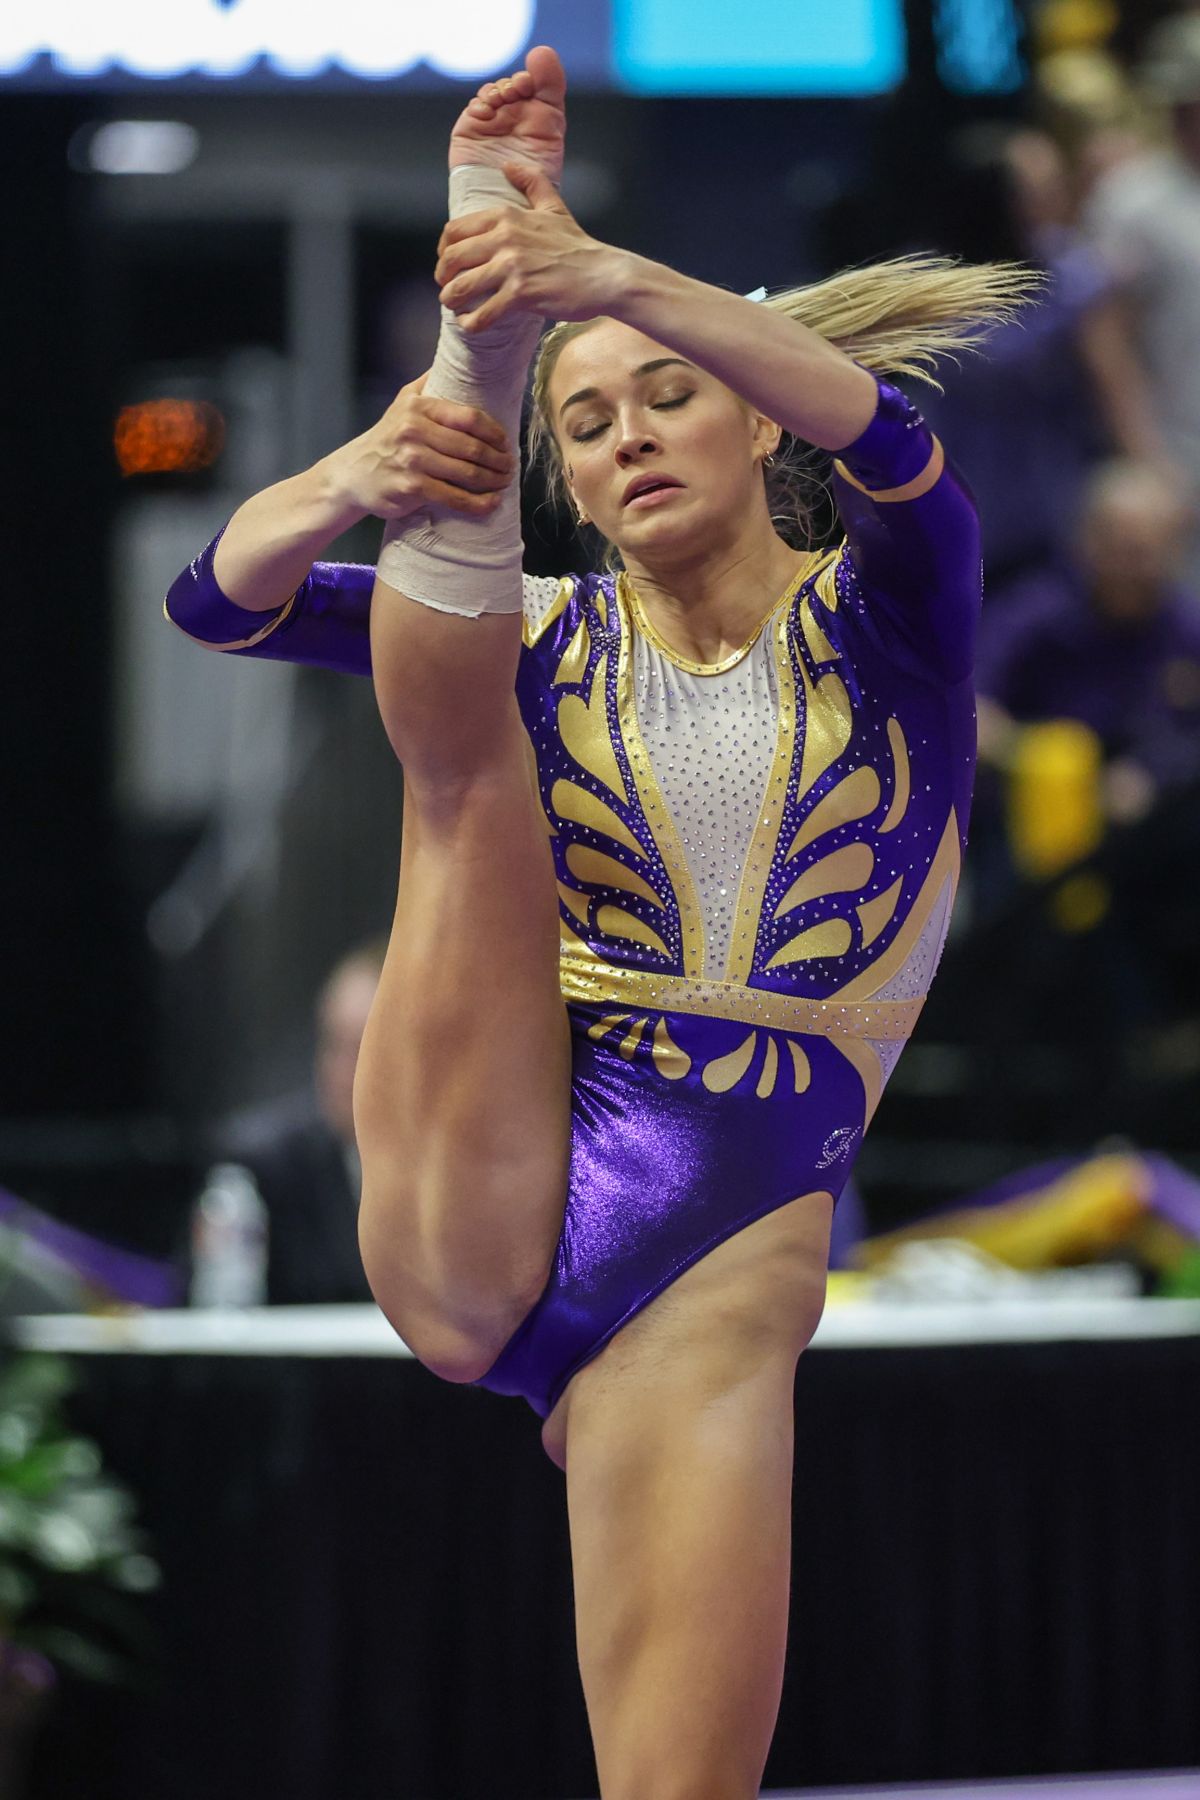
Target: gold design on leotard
246 643
575 803
846 870
820 648
599 870
670 1061
576 904
801 1067
912 490
589 978
827 725
531 632
572 664
943 869
833 937
724 1072
614 921
875 914
856 795
635 610
584 729
633 1037
654 808
863 1056
608 1023
765 839
766 1081
899 749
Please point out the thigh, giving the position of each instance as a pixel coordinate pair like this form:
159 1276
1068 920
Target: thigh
754 1299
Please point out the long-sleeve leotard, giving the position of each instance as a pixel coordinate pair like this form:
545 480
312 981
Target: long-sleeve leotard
755 861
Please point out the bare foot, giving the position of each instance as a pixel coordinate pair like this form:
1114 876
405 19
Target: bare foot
521 117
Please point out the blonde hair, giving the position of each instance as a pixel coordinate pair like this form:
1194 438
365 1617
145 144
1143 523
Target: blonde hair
897 318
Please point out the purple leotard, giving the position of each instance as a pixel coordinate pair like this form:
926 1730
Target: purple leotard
709 1089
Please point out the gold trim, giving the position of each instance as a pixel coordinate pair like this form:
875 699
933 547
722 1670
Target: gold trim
586 978
654 809
765 839
912 490
240 643
641 620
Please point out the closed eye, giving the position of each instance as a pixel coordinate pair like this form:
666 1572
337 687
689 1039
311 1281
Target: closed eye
586 436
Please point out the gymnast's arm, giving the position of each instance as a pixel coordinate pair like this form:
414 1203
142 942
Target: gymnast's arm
918 563
911 568
258 589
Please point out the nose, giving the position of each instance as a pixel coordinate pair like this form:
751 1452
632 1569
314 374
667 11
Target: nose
634 441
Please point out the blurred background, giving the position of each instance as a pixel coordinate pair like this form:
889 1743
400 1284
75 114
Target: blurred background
219 230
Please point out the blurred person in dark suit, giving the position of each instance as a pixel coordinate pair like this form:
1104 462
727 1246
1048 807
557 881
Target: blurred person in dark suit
1110 639
302 1154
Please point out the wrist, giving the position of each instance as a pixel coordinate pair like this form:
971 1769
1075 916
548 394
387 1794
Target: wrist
327 495
640 290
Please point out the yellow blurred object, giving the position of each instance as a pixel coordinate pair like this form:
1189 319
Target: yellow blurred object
1080 902
1088 1211
1055 811
1073 24
847 1284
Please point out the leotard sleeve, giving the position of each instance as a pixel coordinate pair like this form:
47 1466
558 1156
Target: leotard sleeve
325 624
911 565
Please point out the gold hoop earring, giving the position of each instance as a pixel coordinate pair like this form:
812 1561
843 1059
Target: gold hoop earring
769 460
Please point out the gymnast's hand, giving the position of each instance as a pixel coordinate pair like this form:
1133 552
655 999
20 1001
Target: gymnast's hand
520 118
504 259
423 449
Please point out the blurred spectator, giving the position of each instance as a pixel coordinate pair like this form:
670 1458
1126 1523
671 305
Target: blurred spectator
302 1155
1111 640
1144 218
1018 419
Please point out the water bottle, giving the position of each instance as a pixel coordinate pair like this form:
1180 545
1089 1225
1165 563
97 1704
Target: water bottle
229 1240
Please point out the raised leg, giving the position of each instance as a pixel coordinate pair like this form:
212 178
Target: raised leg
462 1091
678 1442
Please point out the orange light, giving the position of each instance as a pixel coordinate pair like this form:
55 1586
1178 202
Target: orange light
161 437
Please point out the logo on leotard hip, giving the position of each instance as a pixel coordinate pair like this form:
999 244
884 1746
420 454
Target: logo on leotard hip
836 1145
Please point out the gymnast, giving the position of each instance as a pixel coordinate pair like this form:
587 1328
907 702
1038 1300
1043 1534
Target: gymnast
679 848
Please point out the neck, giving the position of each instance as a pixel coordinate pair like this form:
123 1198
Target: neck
705 603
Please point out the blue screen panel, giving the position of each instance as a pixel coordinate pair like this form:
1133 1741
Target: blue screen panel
810 47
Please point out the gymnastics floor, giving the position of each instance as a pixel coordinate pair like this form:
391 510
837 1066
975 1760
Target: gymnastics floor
1181 1785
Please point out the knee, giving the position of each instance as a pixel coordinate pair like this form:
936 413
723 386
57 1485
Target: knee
454 1340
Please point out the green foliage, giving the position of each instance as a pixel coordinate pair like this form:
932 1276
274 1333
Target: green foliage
71 1557
1183 1281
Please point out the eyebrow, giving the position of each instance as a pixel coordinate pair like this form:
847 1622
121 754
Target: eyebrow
646 368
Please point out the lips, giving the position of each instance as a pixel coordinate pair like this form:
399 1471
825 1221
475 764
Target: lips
648 484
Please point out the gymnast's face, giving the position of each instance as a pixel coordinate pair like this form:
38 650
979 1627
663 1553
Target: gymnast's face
661 457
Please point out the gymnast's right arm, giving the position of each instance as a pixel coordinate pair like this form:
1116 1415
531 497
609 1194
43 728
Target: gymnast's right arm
257 588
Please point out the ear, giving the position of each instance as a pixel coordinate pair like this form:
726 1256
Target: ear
581 517
766 435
